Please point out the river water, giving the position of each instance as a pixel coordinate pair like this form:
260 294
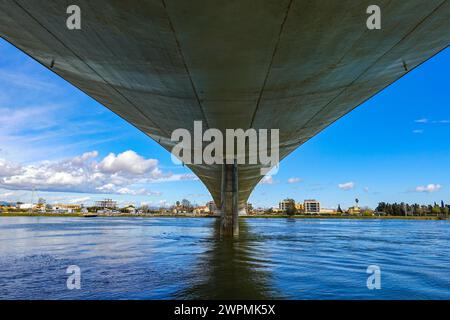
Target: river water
183 258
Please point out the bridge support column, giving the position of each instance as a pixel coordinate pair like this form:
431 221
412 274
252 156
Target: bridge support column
229 224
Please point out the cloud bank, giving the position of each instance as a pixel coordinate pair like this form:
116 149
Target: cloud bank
429 188
115 174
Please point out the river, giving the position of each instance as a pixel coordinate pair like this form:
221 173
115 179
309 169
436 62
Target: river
184 258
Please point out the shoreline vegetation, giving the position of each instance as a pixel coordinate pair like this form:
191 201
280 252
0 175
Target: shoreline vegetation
264 216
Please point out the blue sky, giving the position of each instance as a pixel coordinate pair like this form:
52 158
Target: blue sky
394 147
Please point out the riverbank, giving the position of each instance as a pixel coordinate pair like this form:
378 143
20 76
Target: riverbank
346 217
91 215
266 216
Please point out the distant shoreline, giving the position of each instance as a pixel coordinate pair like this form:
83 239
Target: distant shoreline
346 217
268 216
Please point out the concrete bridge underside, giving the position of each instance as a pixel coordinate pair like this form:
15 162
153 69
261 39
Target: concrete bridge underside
296 65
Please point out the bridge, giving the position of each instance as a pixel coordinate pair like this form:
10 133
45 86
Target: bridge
294 65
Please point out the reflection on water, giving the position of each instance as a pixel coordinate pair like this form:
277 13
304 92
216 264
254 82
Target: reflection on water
231 270
184 258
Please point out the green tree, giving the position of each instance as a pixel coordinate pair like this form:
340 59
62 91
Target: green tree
436 210
419 210
290 206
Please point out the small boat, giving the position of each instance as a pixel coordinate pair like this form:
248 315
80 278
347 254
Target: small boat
90 215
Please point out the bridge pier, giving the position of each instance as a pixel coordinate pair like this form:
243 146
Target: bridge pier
229 223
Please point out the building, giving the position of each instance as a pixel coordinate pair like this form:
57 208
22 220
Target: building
354 210
25 206
211 206
249 208
259 211
287 205
311 206
276 210
106 204
327 211
65 208
299 207
179 208
201 210
129 209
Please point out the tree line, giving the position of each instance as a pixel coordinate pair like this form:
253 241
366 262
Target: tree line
404 209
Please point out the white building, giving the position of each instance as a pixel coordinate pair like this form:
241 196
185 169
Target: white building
311 206
26 206
286 205
65 208
130 209
106 204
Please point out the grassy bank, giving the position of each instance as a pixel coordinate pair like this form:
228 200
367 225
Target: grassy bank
29 214
277 216
345 217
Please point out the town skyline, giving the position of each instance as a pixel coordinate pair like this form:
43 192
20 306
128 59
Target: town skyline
285 205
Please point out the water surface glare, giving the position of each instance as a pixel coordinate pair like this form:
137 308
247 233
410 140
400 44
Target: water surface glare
183 258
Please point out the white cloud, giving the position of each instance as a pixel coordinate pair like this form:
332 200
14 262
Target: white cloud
142 191
173 177
293 180
80 200
429 188
424 120
37 130
418 131
443 121
80 160
366 189
7 168
6 194
113 174
267 180
14 120
109 187
347 185
128 162
197 195
25 81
